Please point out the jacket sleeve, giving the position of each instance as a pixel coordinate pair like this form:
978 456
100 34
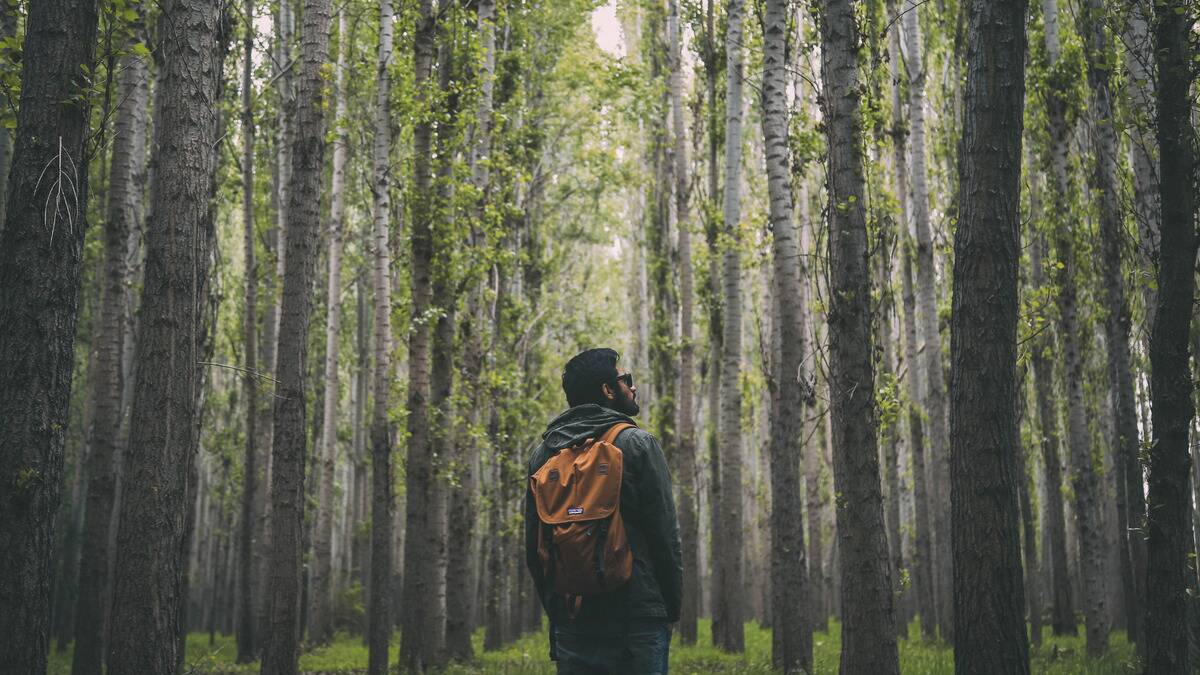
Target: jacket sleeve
661 524
531 544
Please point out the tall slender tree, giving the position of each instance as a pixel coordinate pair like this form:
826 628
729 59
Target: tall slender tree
1098 50
685 425
1084 482
868 631
922 552
1169 543
989 595
1062 620
281 648
320 622
379 618
791 629
424 542
150 586
928 324
41 250
729 592
124 200
247 633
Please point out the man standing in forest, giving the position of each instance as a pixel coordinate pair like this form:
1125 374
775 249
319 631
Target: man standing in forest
626 629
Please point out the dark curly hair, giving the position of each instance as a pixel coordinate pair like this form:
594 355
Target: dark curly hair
585 372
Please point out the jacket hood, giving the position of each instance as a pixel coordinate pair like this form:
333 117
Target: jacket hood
580 423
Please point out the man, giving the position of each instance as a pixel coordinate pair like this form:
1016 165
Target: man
627 630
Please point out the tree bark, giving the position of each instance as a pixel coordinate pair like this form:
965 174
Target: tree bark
281 648
1084 482
1169 543
934 398
989 593
150 591
1099 52
728 607
922 553
41 250
868 632
685 424
247 633
791 647
125 182
379 621
1063 615
320 625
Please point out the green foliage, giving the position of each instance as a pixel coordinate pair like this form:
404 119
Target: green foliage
347 654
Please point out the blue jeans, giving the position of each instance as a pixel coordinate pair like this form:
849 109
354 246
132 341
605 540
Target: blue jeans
646 652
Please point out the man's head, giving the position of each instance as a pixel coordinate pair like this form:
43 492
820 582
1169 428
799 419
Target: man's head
592 376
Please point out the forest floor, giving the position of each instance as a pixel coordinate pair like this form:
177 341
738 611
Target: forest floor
347 654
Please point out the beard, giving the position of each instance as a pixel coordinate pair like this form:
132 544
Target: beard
626 405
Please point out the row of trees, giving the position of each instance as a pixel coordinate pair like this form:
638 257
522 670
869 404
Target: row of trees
887 189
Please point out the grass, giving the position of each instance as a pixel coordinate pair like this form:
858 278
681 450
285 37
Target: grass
347 654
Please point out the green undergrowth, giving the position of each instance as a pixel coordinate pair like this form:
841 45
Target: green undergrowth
347 654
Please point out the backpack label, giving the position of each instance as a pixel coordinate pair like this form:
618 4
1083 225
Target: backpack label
574 510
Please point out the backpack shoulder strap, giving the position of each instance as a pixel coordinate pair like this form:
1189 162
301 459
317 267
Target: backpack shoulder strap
615 430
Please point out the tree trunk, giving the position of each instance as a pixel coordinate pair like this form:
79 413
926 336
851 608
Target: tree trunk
685 424
1099 52
922 553
128 167
1063 615
281 648
379 622
1084 481
150 591
791 627
868 632
247 634
8 29
425 542
320 625
460 596
1169 543
989 593
728 607
934 399
41 250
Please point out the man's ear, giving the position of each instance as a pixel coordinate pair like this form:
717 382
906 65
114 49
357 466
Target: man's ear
607 391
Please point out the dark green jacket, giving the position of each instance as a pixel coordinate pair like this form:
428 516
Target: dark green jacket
648 509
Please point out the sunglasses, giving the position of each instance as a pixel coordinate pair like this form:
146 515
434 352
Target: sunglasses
627 378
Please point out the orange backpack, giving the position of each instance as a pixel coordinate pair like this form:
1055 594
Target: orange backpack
582 541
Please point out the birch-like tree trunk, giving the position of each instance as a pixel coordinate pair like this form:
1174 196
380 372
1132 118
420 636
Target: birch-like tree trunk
1062 620
1143 148
153 535
868 631
247 633
41 252
685 425
320 624
124 195
922 553
1084 482
461 595
424 541
379 619
281 648
1169 543
728 601
791 646
934 399
989 593
1099 52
